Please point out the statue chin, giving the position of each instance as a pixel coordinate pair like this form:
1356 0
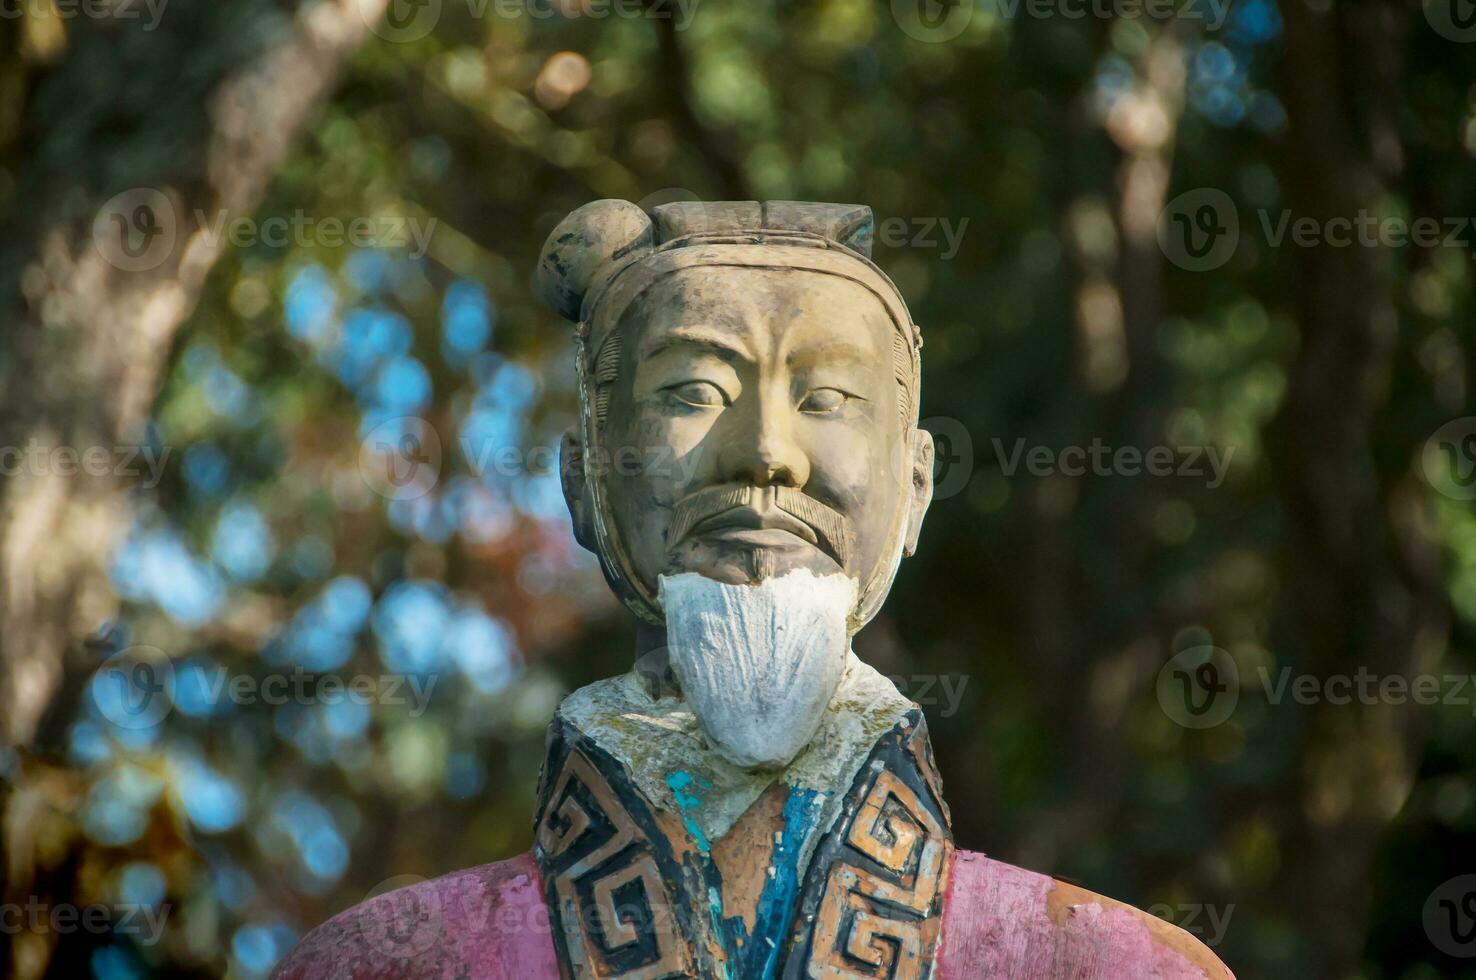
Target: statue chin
758 664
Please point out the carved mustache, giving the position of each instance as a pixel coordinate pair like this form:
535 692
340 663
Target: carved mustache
771 506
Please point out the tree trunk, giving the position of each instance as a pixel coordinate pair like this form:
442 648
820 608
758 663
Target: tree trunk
115 134
1360 572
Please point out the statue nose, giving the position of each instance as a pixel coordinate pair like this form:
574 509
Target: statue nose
763 452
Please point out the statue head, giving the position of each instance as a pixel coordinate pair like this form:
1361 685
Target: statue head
749 396
748 465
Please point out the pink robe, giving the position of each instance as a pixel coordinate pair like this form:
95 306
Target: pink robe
999 922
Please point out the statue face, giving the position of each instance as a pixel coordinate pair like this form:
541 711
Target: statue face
756 412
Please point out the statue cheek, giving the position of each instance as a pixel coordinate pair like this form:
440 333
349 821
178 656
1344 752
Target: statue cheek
679 435
860 478
845 463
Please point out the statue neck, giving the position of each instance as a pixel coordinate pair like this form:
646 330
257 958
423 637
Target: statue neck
652 667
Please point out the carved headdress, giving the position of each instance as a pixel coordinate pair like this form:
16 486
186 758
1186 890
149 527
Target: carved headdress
604 255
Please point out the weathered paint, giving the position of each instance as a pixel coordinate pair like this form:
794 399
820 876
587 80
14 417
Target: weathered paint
875 886
687 803
1003 921
715 910
760 954
653 737
782 864
490 923
485 923
755 946
708 910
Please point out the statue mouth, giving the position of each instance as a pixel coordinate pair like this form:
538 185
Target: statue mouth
761 517
769 527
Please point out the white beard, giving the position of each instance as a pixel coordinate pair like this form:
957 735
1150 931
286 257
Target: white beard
758 664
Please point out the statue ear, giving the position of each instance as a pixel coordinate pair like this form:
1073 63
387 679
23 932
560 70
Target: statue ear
921 487
576 489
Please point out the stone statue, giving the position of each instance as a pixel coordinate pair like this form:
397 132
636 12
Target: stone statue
751 800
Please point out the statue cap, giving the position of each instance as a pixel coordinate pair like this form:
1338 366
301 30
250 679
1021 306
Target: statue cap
603 240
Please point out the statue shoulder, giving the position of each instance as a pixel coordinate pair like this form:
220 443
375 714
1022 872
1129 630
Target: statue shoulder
490 921
1000 920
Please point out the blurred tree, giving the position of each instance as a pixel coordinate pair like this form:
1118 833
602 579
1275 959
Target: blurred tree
1361 541
188 113
1049 604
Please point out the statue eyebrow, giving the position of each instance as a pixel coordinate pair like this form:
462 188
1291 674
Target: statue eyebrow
719 343
838 349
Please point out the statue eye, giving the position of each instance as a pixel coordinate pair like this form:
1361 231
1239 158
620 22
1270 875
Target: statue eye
699 394
822 401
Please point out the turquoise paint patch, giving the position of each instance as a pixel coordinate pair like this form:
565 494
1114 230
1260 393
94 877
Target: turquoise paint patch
715 910
680 783
760 953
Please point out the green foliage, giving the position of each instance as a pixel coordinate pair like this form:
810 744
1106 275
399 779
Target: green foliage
1055 600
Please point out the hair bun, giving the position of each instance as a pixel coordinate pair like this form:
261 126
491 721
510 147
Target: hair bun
586 246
